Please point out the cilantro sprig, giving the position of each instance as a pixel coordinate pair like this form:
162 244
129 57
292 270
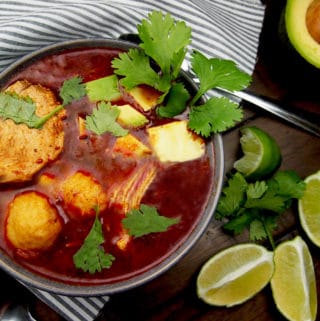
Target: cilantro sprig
215 115
72 89
217 73
23 110
163 46
103 119
162 31
135 68
91 256
258 205
164 42
146 220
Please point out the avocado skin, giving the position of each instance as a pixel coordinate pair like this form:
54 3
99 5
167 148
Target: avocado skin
283 65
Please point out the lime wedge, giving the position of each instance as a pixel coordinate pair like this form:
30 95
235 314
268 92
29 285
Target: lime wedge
235 274
309 208
294 283
262 155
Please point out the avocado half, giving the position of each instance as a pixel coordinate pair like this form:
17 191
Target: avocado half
298 33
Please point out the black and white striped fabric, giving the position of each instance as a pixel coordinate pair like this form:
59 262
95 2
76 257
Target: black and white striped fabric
73 308
220 28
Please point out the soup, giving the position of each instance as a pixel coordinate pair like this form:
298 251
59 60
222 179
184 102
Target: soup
102 175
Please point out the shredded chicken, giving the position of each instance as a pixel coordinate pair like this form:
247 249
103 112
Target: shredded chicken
128 194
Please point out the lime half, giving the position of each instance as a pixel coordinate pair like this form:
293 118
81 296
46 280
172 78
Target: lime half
262 154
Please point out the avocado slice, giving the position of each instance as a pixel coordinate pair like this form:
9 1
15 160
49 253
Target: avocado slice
130 117
298 33
105 88
146 97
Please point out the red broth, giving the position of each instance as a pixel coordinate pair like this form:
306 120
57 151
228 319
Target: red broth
179 190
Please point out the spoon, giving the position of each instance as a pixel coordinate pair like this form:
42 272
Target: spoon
15 312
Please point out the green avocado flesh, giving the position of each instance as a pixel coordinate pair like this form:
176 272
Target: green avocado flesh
298 34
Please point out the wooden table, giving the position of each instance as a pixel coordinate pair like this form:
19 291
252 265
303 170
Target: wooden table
172 296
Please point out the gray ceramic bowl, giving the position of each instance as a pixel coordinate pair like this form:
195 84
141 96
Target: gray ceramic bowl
215 148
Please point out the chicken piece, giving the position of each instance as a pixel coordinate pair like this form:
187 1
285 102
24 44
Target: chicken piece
81 193
82 128
33 224
128 194
130 146
46 180
23 150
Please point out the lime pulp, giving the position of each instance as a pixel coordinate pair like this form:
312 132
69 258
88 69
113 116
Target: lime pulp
261 154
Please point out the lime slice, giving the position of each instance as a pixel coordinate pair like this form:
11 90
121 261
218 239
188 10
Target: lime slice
309 208
262 154
293 283
235 274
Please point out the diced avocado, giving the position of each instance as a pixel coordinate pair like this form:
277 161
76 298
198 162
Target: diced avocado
105 88
298 29
130 117
147 98
130 146
173 142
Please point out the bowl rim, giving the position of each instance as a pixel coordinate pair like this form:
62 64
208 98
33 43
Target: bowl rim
40 282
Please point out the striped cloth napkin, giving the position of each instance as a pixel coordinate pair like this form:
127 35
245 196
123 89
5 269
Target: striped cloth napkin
220 28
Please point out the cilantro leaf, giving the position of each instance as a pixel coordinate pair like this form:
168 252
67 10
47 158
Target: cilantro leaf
163 44
164 40
215 115
146 220
91 256
257 230
232 197
268 201
289 184
176 102
134 65
23 110
72 89
103 119
262 227
216 72
257 189
239 223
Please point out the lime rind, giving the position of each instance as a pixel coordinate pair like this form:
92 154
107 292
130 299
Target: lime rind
261 154
309 208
